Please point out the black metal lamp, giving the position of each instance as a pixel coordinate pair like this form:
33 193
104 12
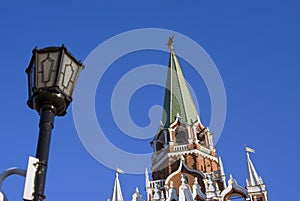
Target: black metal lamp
52 75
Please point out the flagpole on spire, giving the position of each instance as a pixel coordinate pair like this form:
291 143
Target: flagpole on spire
248 149
119 170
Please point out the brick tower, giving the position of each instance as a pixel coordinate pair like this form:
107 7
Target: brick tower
185 164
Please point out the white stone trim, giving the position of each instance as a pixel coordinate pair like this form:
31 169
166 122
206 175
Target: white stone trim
205 150
174 123
232 185
193 151
170 133
181 164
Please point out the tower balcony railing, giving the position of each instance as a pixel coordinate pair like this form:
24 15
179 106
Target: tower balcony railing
184 147
205 150
159 183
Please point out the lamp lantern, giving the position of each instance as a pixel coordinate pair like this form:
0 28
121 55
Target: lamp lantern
52 75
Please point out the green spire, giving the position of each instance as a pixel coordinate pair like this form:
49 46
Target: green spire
178 99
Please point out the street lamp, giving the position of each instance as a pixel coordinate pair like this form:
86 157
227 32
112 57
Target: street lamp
52 75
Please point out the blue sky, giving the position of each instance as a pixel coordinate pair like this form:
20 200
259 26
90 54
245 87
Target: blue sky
255 46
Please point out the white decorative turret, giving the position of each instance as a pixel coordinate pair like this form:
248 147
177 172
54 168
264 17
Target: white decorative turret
197 190
210 139
185 193
172 192
147 183
136 196
231 180
147 178
117 192
254 183
211 189
253 178
222 172
234 187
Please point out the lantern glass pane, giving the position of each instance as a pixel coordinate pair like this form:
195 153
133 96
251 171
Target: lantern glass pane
68 74
47 65
32 76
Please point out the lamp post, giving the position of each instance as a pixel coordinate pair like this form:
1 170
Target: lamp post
52 75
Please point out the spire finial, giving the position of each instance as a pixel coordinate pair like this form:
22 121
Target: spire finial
195 180
170 42
182 179
171 184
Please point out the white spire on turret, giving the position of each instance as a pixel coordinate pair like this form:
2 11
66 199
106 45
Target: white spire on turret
197 190
222 172
253 178
210 186
147 178
185 193
148 190
172 192
254 183
117 192
136 196
183 181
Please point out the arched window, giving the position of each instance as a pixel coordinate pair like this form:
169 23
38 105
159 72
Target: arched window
160 141
201 136
159 146
181 135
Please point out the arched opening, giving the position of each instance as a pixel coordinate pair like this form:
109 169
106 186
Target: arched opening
159 146
181 135
234 192
202 136
258 198
235 197
160 141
